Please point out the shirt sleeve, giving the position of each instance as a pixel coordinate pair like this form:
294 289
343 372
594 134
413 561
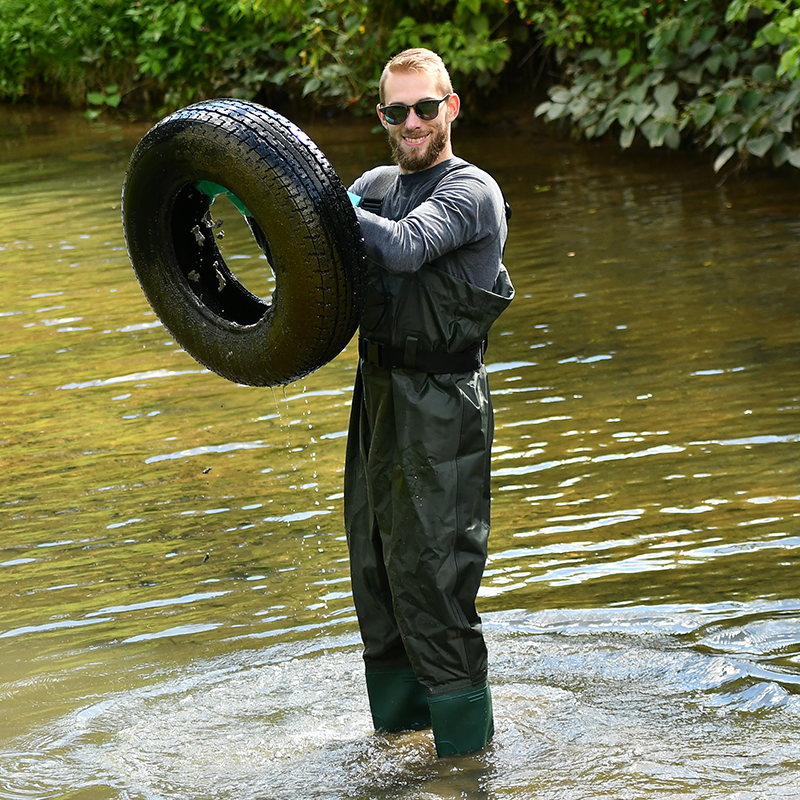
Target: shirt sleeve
463 209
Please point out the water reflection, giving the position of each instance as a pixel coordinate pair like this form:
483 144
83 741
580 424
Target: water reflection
173 571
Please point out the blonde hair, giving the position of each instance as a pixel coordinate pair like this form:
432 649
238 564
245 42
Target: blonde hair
417 59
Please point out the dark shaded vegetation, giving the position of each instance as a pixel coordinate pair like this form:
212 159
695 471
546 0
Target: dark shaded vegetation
717 75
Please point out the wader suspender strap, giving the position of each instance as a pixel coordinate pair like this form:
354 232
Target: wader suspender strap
410 357
377 191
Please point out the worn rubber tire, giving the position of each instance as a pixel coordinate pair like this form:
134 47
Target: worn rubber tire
298 201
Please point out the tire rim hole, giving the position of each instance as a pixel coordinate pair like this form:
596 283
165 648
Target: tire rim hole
210 240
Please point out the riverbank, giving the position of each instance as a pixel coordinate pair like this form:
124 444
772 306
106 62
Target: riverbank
719 76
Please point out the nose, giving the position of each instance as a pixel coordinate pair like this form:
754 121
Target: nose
412 118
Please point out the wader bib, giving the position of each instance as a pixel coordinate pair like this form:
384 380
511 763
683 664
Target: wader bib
417 501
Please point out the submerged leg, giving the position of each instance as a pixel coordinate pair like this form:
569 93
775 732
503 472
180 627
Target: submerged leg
463 722
398 701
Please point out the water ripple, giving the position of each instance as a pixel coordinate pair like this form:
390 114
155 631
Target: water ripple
588 703
205 449
135 376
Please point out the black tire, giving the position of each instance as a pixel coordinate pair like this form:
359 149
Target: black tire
301 216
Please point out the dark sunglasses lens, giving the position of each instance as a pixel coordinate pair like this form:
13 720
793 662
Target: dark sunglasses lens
427 109
395 114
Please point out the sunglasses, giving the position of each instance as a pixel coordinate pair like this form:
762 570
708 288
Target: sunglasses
397 113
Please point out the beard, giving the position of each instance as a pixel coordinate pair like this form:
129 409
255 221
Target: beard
416 161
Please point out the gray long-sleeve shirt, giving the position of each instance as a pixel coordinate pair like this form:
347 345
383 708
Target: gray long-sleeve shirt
451 215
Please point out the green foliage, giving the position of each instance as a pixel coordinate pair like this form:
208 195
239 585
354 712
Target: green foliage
53 48
321 53
720 74
162 54
781 31
462 34
573 24
108 96
700 76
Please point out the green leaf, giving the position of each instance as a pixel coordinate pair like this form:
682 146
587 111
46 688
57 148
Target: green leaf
638 93
791 98
623 57
625 114
733 130
725 103
603 126
723 158
558 94
578 107
780 154
703 115
790 62
672 137
665 94
730 60
760 146
696 50
626 137
635 71
643 111
654 132
794 157
597 54
737 10
786 123
95 98
764 73
692 74
733 83
749 100
311 85
708 33
771 34
685 34
712 63
556 111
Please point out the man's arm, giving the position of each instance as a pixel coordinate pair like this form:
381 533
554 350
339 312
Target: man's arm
462 209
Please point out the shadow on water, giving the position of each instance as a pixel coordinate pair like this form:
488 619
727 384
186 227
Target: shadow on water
175 608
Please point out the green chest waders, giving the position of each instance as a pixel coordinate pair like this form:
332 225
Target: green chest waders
417 501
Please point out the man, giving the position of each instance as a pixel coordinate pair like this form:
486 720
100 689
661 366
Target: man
421 427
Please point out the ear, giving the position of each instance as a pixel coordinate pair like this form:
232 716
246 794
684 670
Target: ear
381 117
453 106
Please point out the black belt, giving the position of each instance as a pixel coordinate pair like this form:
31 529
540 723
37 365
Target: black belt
410 357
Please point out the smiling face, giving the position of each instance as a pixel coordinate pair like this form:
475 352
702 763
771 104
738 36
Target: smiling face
418 144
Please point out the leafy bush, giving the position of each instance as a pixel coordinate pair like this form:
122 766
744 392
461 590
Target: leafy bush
701 75
720 74
162 54
54 49
576 24
462 34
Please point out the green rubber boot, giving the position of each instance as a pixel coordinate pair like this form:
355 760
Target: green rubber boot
398 701
462 722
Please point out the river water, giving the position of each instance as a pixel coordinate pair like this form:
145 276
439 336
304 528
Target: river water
176 619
